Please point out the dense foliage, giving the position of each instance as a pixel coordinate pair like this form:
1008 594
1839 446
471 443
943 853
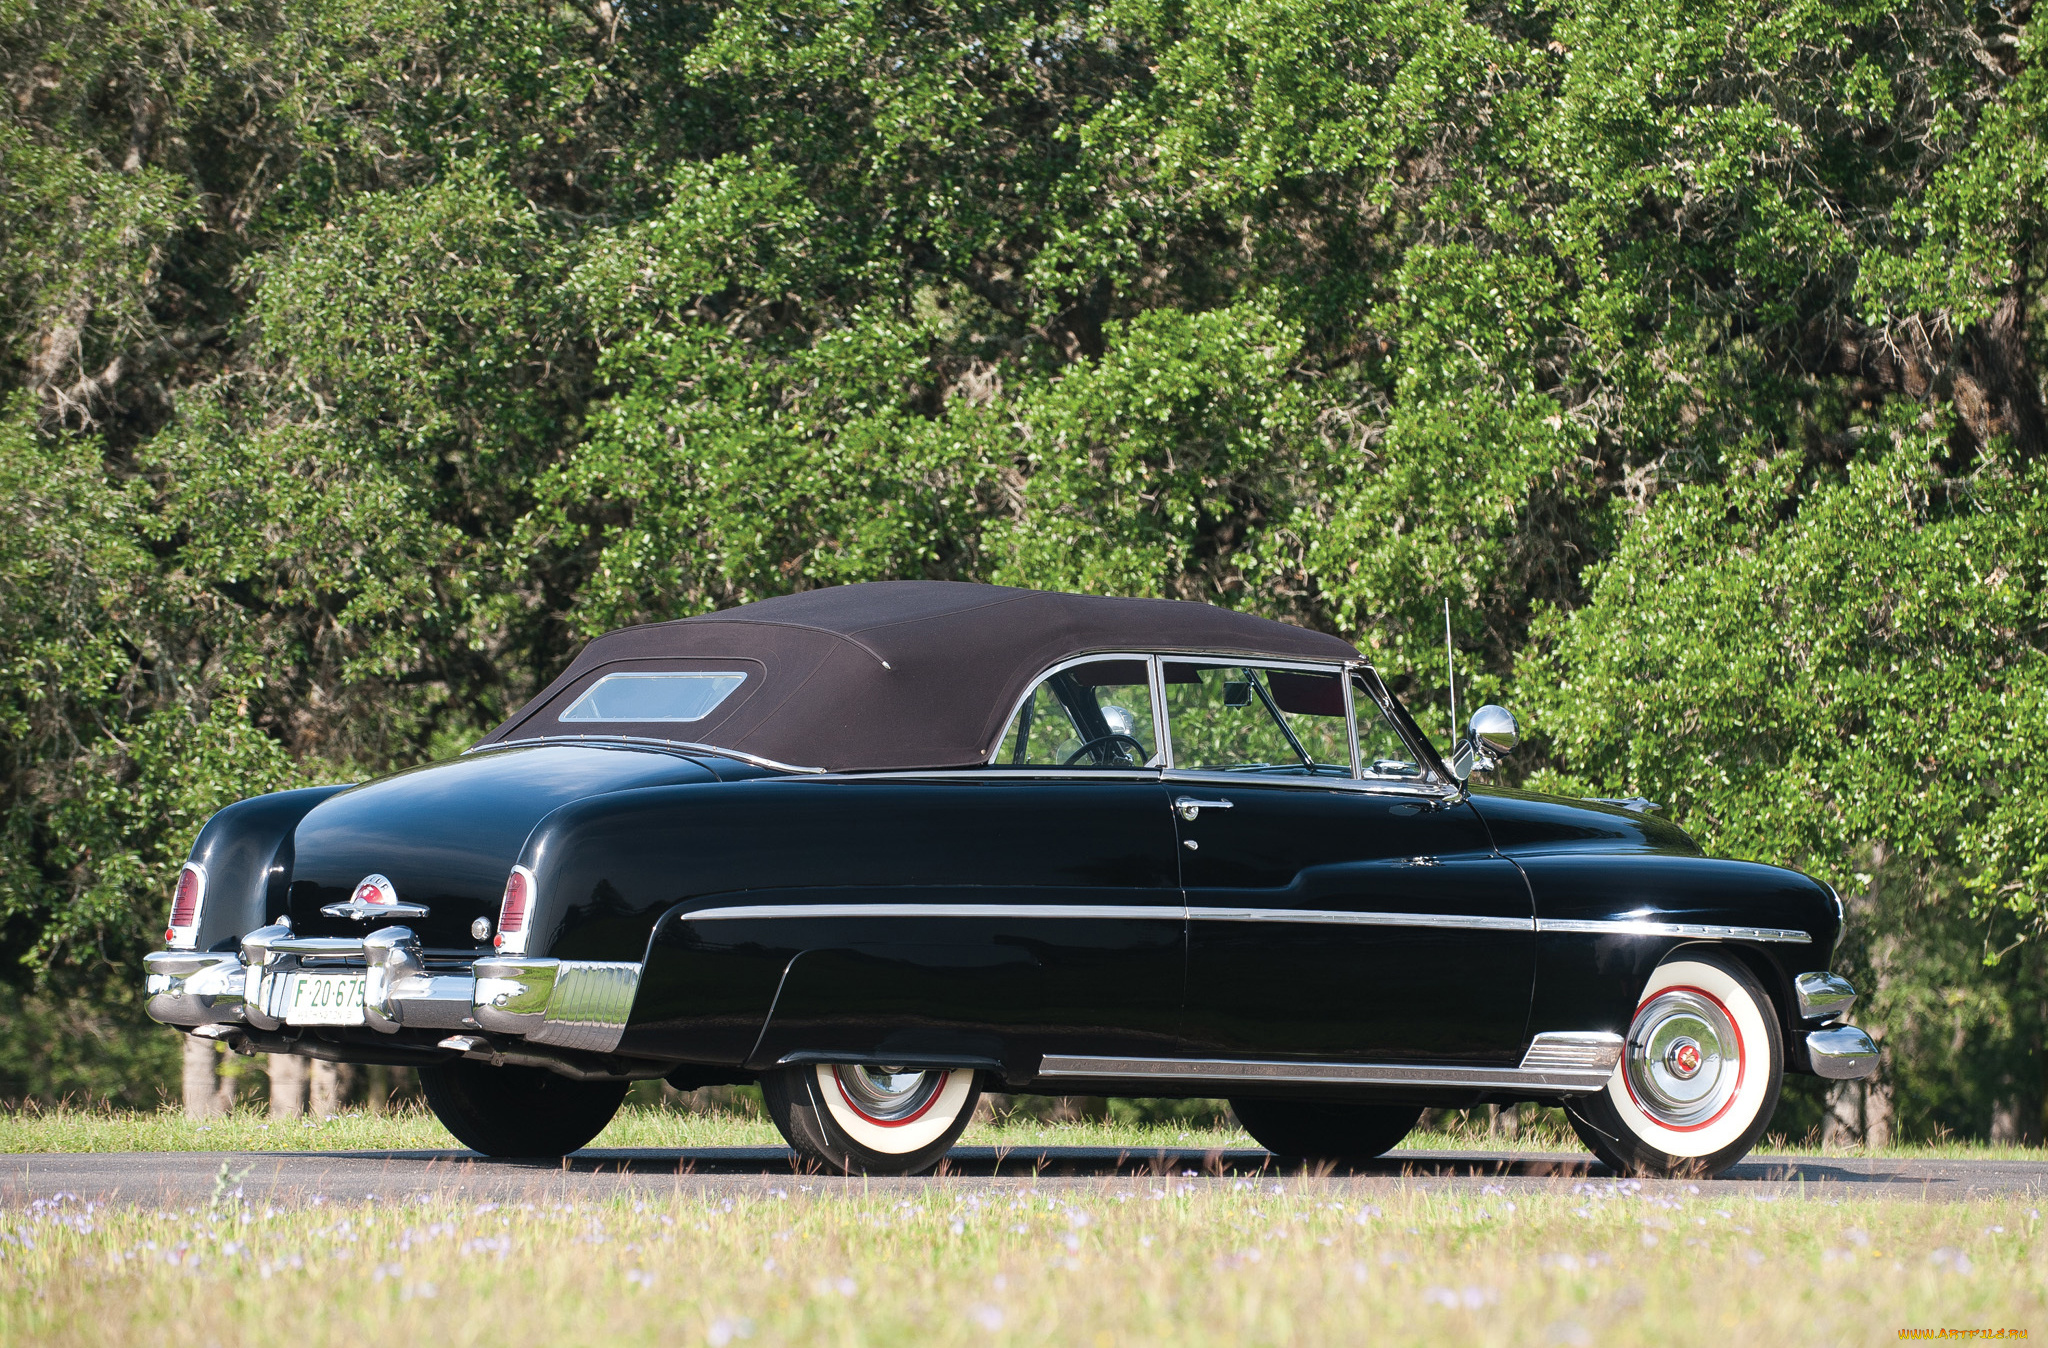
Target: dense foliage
364 356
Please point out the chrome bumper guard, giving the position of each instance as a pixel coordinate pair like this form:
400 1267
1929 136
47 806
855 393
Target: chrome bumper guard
573 1004
1841 1053
1837 1052
580 1005
193 988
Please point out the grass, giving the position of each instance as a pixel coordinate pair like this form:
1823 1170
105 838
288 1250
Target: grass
411 1128
1130 1261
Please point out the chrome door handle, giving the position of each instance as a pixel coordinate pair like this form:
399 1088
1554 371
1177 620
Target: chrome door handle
1189 807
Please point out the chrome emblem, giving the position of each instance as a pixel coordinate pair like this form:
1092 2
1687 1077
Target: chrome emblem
1683 1059
375 897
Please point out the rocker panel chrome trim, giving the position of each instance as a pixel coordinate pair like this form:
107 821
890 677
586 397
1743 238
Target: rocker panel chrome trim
1568 1063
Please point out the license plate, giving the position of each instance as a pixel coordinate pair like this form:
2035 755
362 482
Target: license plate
324 999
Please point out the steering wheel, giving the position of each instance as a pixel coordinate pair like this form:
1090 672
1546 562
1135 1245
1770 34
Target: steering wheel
1102 741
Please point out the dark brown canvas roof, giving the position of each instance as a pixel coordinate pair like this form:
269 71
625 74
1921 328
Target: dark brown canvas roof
892 674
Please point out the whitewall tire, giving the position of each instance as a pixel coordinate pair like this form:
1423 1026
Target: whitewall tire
1699 1075
860 1120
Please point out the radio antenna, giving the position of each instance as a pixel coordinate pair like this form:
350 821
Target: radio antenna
1450 671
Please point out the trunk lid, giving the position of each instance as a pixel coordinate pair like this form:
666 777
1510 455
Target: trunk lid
446 835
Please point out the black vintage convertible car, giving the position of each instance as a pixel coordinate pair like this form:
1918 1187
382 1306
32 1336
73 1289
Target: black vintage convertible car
879 846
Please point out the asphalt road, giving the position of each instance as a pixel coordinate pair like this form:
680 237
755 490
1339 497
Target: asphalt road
180 1177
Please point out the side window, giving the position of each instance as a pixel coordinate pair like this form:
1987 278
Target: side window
1092 715
1382 754
1243 718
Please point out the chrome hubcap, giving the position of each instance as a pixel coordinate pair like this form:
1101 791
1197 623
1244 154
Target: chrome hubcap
886 1094
1684 1059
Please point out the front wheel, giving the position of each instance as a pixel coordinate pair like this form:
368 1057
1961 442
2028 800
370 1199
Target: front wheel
1321 1130
1699 1075
859 1120
518 1111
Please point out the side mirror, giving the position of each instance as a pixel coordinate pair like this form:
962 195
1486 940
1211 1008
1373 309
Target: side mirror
1490 733
1493 729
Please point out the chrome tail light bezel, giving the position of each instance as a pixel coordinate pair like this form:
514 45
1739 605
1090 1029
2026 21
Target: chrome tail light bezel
514 923
185 935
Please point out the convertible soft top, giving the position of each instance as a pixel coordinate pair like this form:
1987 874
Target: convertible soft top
887 675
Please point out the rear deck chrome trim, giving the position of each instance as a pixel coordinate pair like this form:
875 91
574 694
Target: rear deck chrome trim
1557 1063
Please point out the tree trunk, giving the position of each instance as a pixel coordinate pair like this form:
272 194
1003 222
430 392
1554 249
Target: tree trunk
329 1086
201 1090
287 1085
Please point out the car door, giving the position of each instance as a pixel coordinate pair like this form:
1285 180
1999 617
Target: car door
1334 916
1007 911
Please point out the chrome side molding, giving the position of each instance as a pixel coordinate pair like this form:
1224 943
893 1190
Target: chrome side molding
1335 917
1622 926
1823 996
1556 1063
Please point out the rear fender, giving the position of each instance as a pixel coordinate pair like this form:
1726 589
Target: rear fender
246 850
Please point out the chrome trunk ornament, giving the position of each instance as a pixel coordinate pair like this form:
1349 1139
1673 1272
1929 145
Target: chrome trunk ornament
375 897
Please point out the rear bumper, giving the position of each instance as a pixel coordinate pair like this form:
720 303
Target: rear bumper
577 1005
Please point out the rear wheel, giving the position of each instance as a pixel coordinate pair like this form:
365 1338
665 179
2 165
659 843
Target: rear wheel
1322 1130
1699 1076
518 1111
859 1120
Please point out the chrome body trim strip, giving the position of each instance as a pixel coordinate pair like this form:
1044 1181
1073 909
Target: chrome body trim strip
681 748
1108 912
1556 1064
1841 1053
1823 996
1334 918
1051 911
1698 931
1388 786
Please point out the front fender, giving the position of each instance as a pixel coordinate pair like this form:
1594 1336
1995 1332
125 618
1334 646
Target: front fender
1605 920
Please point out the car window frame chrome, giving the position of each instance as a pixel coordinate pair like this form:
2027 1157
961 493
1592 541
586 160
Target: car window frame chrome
990 763
1226 660
1438 776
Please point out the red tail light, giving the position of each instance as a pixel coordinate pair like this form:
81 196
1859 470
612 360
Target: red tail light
512 912
185 905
